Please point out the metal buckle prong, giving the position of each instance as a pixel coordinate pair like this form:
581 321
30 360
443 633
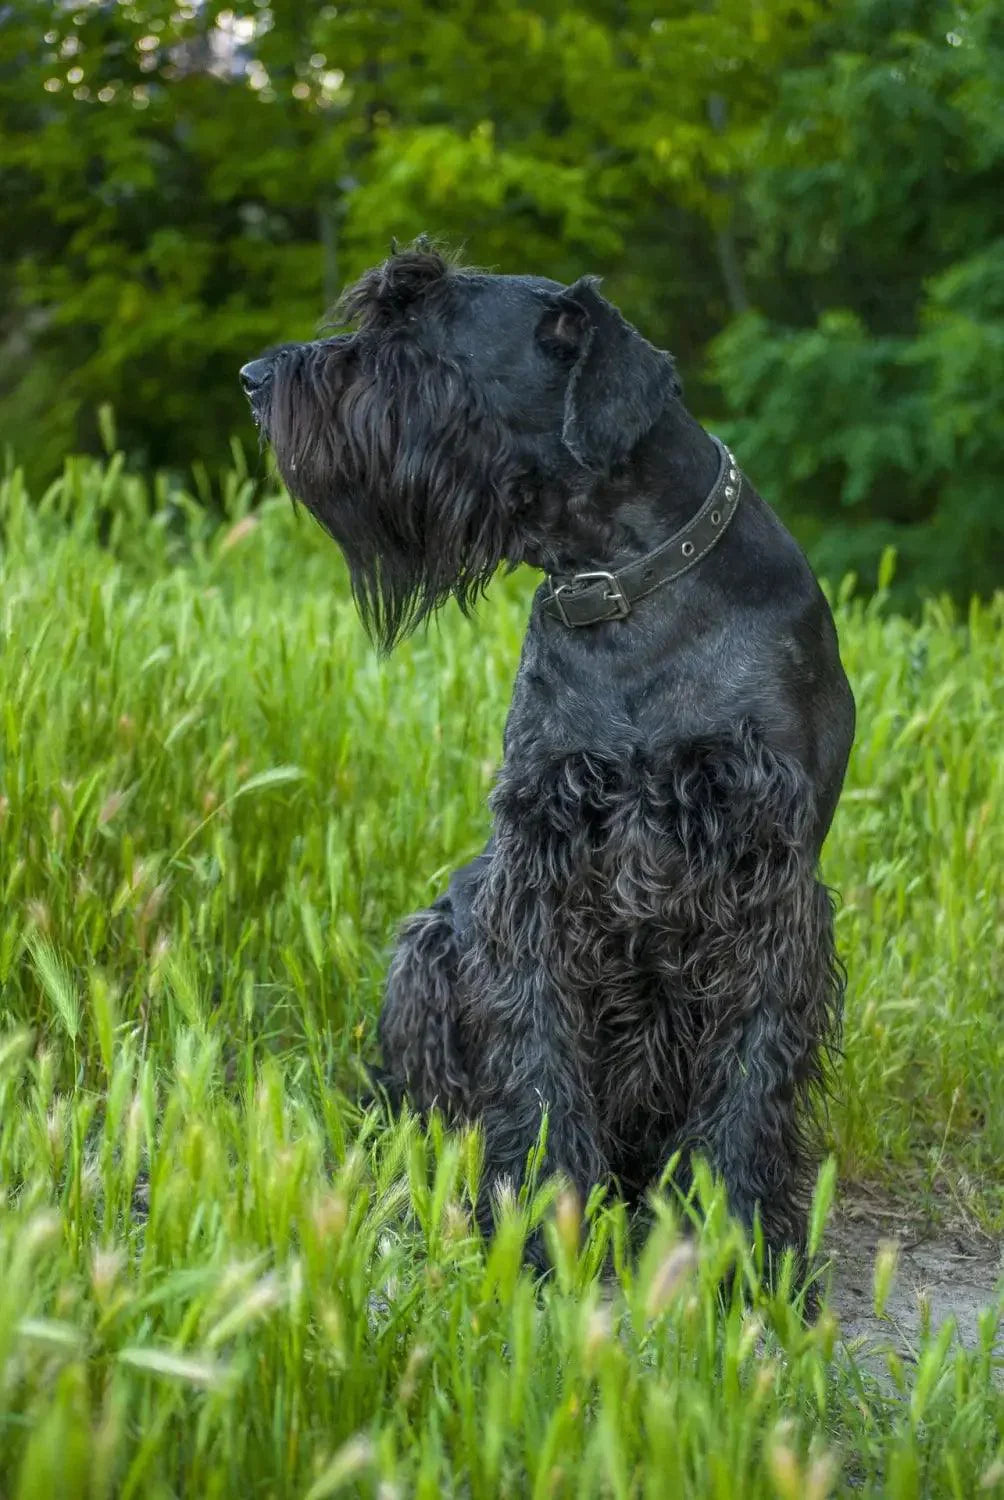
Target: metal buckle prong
615 594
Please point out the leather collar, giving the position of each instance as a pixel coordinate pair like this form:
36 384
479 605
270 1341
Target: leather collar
589 598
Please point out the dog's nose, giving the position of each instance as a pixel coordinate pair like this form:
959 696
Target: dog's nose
254 375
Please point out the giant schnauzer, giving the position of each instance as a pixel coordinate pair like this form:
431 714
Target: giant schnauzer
643 950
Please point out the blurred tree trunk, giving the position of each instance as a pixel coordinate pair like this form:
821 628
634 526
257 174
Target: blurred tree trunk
726 251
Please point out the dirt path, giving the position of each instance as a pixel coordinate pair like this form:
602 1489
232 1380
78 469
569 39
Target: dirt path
955 1273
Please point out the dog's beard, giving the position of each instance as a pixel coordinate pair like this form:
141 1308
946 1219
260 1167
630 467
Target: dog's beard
402 463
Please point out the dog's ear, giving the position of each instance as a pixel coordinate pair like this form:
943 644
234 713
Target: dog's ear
618 383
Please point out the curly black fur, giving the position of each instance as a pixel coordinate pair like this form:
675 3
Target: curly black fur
644 949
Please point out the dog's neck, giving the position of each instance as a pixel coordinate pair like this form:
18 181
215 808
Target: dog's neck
624 516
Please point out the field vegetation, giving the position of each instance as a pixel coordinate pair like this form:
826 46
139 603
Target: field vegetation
218 1276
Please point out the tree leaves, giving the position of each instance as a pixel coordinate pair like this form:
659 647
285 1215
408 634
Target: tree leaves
184 185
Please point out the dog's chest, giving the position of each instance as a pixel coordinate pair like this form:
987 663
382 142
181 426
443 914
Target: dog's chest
627 694
594 850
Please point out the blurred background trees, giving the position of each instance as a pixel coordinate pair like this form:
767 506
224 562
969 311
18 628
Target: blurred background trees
804 201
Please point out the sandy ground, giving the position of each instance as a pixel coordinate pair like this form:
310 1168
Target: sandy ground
952 1273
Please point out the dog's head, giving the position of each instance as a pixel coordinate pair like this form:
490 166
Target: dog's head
449 432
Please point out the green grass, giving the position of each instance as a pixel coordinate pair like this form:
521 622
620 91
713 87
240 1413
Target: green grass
216 1276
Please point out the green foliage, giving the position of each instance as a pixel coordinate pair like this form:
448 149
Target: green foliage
802 201
919 418
878 207
218 1277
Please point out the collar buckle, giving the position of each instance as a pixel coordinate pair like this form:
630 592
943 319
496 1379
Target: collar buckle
595 597
614 594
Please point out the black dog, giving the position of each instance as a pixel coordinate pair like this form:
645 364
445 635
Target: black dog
643 950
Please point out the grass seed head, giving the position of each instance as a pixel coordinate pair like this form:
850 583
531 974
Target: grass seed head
670 1277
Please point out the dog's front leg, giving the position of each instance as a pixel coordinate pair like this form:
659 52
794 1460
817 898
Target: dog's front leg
761 1068
527 1057
526 988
